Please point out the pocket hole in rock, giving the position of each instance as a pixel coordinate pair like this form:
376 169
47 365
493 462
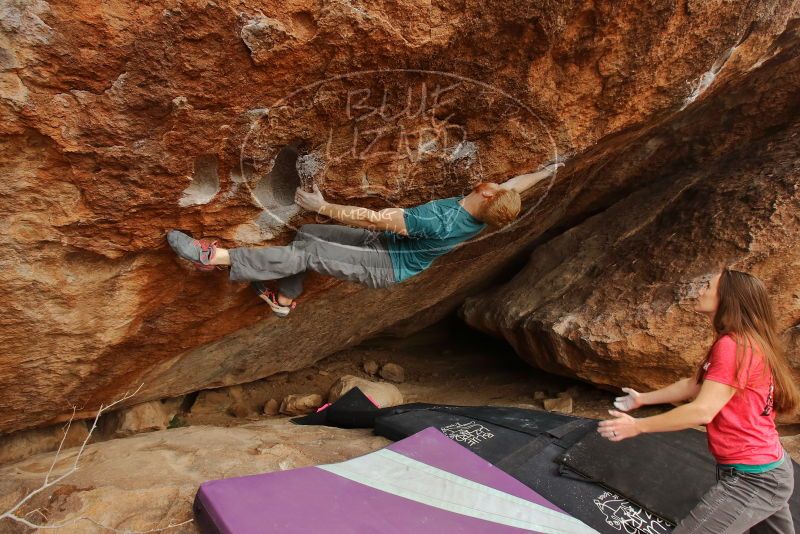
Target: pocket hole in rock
205 182
277 188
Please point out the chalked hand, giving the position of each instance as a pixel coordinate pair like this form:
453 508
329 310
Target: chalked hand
312 201
629 402
552 167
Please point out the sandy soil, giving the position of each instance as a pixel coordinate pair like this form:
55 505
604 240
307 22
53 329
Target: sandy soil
447 363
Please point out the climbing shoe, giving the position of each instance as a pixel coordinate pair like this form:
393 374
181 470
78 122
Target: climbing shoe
198 251
271 298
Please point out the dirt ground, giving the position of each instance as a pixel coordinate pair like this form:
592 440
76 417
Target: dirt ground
447 363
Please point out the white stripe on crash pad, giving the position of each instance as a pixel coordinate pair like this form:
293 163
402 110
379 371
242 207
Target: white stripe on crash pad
400 475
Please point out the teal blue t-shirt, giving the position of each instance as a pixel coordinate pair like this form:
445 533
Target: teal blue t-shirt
434 228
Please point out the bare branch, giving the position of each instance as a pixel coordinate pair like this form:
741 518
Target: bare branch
102 409
61 444
10 514
37 510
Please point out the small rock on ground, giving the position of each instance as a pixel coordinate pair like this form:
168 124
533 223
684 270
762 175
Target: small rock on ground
559 404
393 372
371 367
301 404
239 409
144 417
382 393
271 407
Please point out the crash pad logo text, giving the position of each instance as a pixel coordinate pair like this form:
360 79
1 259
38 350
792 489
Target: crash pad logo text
470 433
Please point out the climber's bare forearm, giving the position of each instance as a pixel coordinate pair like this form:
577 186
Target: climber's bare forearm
390 219
523 182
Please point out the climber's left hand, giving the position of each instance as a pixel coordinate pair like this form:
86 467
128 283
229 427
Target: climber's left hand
312 201
623 426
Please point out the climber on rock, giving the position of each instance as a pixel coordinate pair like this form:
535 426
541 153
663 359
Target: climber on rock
376 248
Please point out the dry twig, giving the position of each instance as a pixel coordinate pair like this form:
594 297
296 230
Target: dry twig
12 513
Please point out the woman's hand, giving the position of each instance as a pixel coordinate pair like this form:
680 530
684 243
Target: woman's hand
623 426
311 201
629 402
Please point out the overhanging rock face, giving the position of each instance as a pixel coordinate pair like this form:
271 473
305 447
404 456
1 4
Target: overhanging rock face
611 299
121 121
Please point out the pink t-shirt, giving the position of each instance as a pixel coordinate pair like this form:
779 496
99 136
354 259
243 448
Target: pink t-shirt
739 433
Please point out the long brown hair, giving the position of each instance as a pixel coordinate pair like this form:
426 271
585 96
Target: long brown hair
746 313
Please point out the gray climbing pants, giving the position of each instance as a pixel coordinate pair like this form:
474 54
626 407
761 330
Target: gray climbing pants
745 502
346 253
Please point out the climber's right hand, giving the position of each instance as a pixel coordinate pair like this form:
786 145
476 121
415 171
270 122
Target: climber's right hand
629 402
553 167
312 201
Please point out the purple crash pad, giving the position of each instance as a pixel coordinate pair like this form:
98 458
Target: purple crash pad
315 499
